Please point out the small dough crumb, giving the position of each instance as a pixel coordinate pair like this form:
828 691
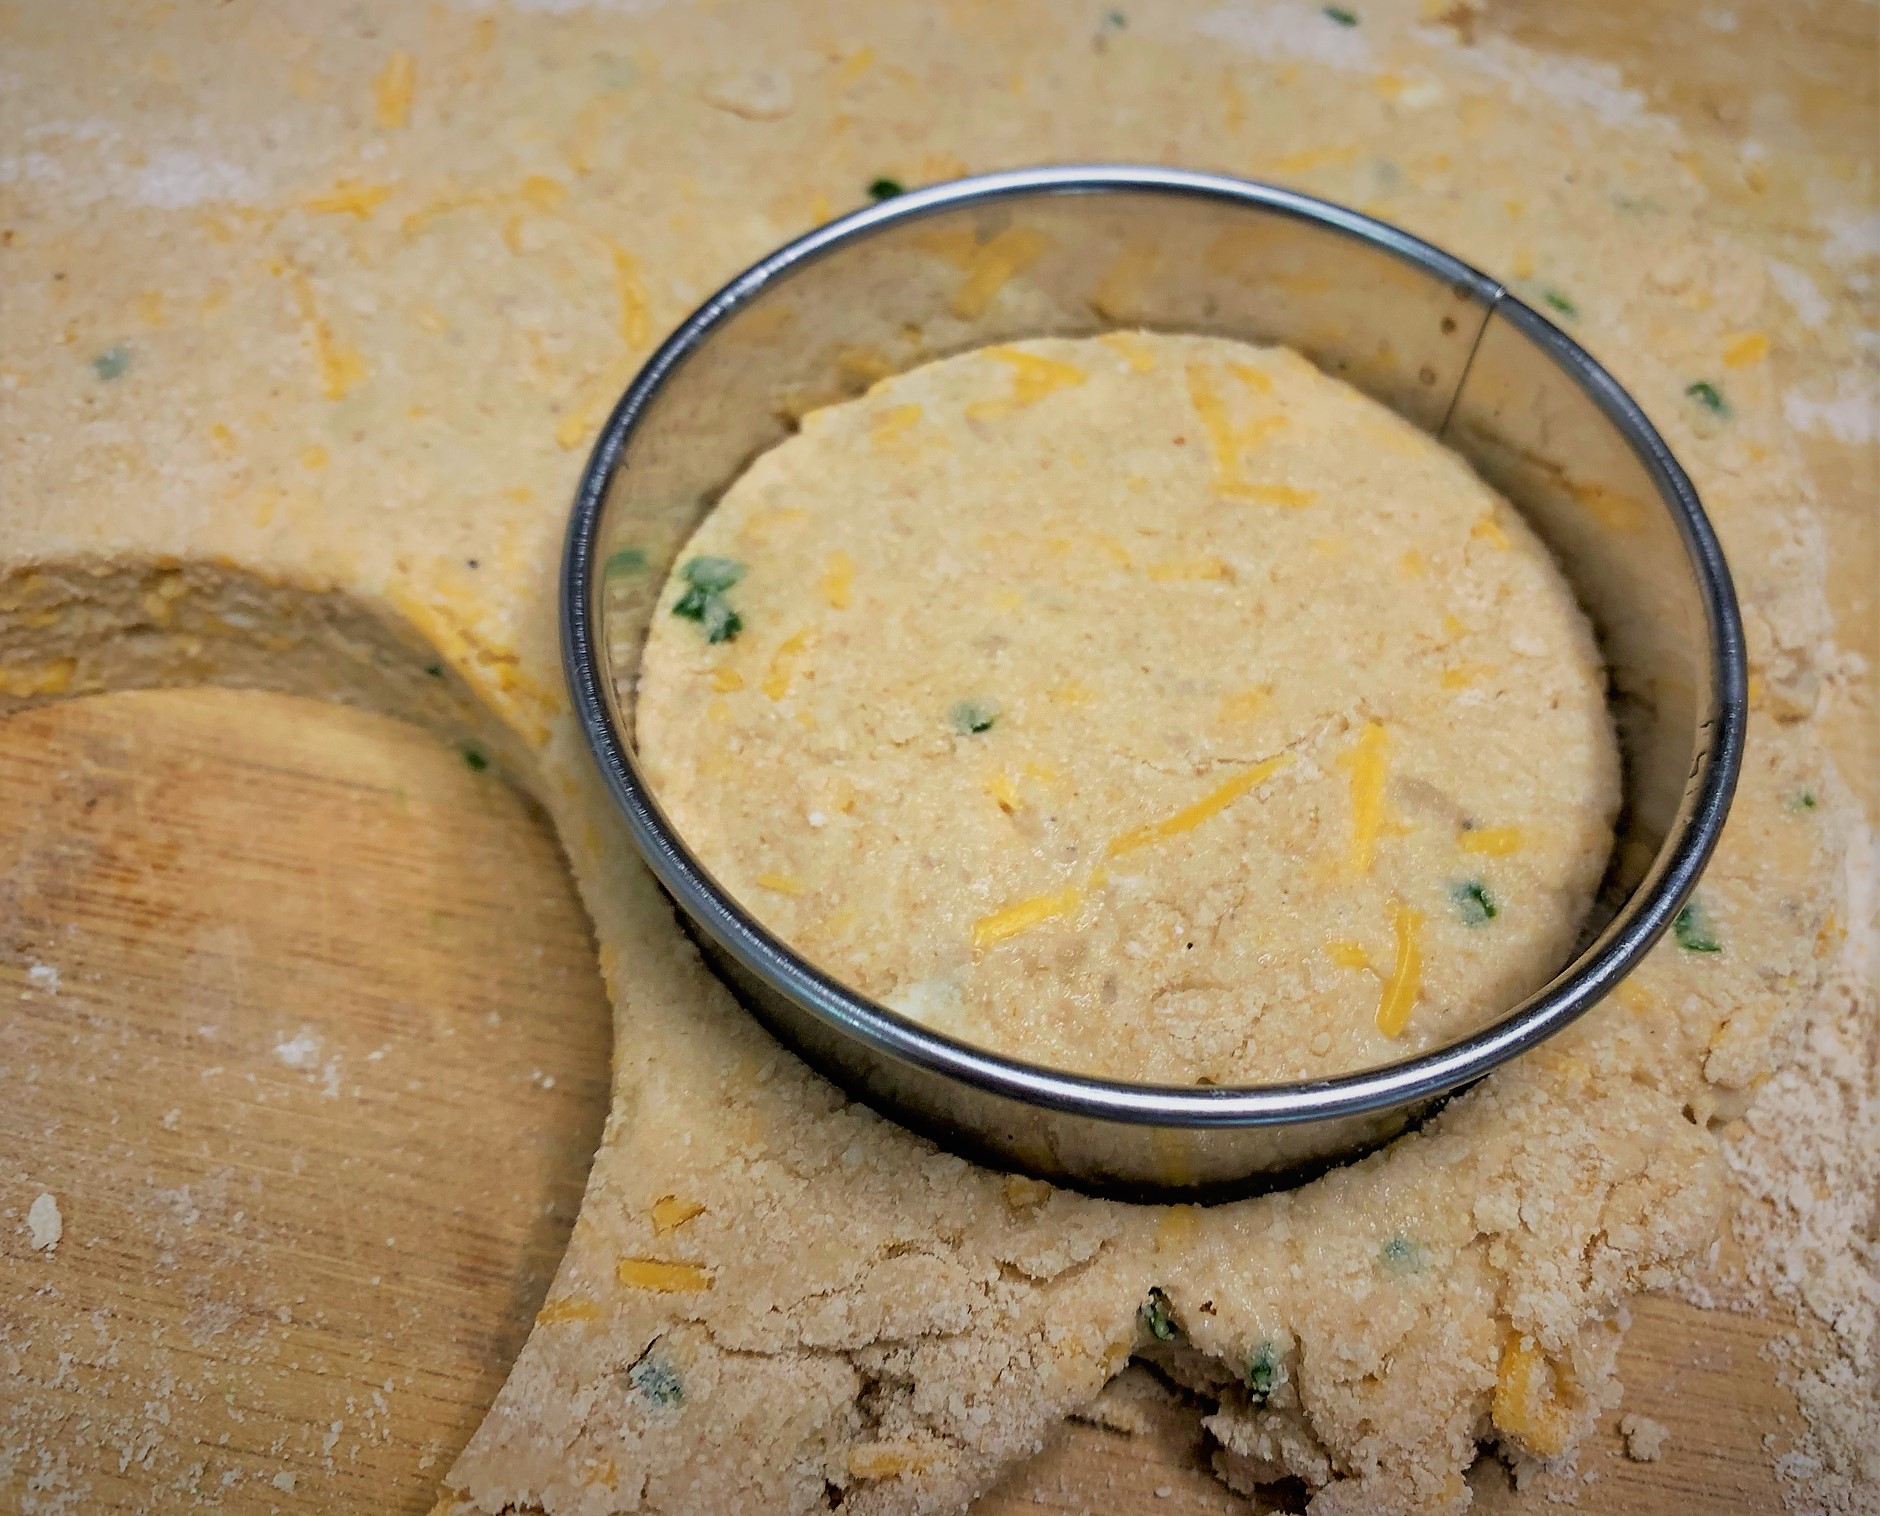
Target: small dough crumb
1644 1438
45 1223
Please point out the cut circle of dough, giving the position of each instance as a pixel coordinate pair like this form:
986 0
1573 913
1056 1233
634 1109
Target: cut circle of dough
1149 706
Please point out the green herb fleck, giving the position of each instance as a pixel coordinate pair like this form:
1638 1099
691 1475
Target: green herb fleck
1709 396
628 560
1694 932
1473 900
1560 303
435 670
111 363
1116 21
657 1380
712 612
1339 14
1803 800
713 575
885 188
1158 1316
972 716
1401 1254
475 757
705 601
1263 1373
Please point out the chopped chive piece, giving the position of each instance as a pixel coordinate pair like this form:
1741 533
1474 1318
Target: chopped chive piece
111 363
720 621
705 601
1473 900
1694 932
1709 396
713 574
628 560
474 756
1263 1373
658 1381
1339 14
1560 302
435 670
1804 801
1401 1254
1116 21
1158 1316
971 716
885 188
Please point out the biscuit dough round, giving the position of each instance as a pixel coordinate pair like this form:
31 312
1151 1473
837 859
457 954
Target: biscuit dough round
1144 705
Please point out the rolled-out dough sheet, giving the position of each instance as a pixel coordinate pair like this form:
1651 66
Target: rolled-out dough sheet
309 312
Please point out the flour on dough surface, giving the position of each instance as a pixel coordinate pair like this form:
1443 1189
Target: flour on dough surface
317 429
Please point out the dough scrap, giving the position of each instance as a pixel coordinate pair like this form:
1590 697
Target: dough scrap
306 418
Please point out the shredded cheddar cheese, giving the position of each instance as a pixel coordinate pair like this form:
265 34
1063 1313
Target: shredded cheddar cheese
783 662
1252 375
349 197
1347 954
1033 377
629 292
781 884
1023 915
662 1277
838 580
670 1213
1277 494
392 92
341 367
1000 787
1399 996
1463 675
726 680
1744 349
568 1308
1611 508
994 265
885 1460
1135 352
1489 530
1368 764
1493 841
1533 1399
889 430
1207 807
1178 1224
1228 440
24 682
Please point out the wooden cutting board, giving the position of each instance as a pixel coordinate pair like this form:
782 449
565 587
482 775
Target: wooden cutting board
305 1036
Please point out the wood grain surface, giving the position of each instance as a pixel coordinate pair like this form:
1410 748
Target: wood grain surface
305 1034
315 1088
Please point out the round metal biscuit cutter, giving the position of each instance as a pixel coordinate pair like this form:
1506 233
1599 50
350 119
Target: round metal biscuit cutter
1035 253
